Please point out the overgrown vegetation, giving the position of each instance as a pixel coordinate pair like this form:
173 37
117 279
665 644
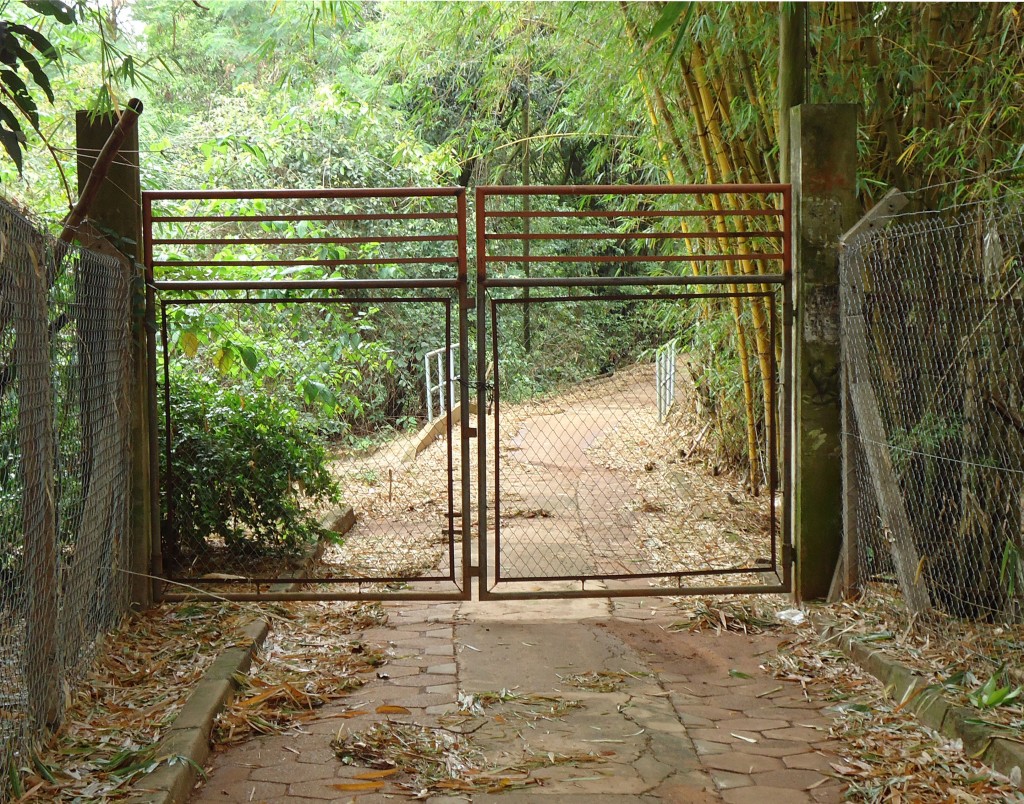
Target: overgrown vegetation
247 470
251 94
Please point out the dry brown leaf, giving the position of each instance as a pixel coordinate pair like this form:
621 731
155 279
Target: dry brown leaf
352 787
392 709
376 774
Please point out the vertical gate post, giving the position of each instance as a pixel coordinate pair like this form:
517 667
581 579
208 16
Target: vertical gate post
116 212
823 170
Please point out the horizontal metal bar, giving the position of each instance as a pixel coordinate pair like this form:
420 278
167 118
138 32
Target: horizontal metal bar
311 263
447 301
325 192
297 241
620 297
653 591
256 597
633 258
631 189
631 213
625 236
631 281
625 576
340 217
303 284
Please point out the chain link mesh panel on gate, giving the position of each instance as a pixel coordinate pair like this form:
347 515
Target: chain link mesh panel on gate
933 318
64 470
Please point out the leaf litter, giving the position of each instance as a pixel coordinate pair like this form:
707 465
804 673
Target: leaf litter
885 753
144 672
423 760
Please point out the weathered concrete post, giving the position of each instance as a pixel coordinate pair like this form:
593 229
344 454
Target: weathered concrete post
116 212
823 165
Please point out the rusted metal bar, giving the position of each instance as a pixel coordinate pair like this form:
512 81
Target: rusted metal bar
632 189
258 597
739 280
341 217
207 285
675 591
326 192
300 241
635 213
627 236
594 259
309 263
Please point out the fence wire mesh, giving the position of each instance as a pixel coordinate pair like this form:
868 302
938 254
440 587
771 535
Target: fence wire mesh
64 472
932 322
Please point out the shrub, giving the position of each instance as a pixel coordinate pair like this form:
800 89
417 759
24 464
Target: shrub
245 468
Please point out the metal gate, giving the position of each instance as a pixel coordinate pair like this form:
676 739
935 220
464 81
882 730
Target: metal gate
583 489
575 485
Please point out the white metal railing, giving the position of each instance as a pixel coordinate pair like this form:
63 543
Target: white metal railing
665 377
434 369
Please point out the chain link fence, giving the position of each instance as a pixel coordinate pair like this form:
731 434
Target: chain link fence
64 472
932 323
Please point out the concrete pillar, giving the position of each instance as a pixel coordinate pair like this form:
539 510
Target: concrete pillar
116 213
823 164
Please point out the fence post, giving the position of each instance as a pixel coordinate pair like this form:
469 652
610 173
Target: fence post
116 212
823 168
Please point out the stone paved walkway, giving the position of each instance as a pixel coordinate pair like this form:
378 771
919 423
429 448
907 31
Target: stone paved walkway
694 720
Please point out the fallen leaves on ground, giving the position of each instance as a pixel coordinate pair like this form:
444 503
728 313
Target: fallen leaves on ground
959 656
141 677
144 672
886 755
439 759
307 661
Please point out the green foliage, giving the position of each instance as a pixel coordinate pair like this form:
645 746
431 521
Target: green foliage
244 468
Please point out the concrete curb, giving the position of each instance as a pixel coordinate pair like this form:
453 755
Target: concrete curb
930 706
188 736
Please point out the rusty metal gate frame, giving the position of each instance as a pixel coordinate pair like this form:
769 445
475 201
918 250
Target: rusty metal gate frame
335 291
473 535
629 287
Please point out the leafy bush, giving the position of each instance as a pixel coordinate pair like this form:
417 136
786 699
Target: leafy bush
245 468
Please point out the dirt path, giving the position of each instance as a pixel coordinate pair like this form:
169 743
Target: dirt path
589 483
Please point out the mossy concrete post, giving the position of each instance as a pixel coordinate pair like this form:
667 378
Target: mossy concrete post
823 172
116 214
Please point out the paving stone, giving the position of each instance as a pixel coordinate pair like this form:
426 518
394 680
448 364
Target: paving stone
789 777
439 649
705 747
449 691
765 795
230 775
290 772
810 761
420 680
447 669
773 748
716 736
751 724
320 791
694 720
724 780
742 763
703 710
796 733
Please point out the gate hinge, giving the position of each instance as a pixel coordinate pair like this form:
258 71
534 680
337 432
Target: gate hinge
470 432
789 315
788 554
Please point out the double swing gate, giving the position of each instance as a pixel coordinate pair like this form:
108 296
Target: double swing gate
533 453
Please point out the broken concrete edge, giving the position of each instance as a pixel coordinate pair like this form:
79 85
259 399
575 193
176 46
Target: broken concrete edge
927 703
186 744
434 429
